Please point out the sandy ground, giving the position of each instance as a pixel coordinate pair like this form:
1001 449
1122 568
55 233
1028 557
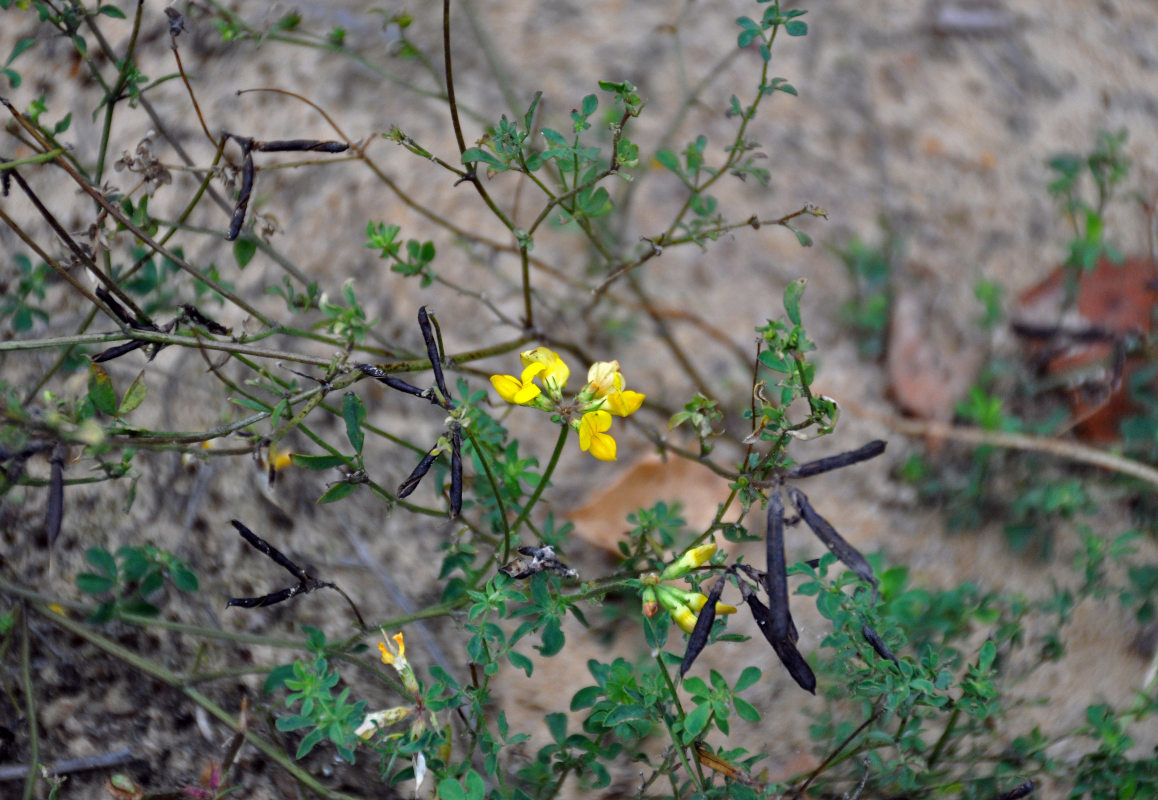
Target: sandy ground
945 136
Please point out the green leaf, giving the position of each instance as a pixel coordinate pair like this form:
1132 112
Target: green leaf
312 740
625 713
94 584
745 710
669 160
520 661
354 411
112 11
319 462
747 678
796 28
337 492
792 295
100 389
553 638
243 251
449 789
802 237
557 725
696 721
586 697
987 655
184 579
474 154
476 788
103 560
22 45
13 77
134 395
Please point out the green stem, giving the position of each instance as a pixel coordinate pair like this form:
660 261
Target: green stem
174 681
29 706
698 773
543 480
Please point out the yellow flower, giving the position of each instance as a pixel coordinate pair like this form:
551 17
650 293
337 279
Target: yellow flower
593 436
605 382
555 372
519 391
683 605
697 600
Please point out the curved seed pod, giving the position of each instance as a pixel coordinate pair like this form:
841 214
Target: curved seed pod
301 145
432 351
247 174
407 487
807 470
54 513
785 650
878 644
698 639
776 576
832 540
382 376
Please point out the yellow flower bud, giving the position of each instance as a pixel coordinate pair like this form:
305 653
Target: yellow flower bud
695 557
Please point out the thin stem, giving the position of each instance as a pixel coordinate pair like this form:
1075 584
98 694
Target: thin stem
543 481
29 705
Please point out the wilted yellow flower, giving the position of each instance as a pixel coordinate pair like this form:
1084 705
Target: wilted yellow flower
396 657
381 719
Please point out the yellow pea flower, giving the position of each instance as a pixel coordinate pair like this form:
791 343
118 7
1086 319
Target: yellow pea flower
605 382
555 371
519 391
593 436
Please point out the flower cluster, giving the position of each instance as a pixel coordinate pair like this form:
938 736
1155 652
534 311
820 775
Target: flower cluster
589 413
682 604
395 656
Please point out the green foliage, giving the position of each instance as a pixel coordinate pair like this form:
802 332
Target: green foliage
131 581
870 267
914 684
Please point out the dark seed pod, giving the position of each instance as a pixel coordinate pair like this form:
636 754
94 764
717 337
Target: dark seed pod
193 314
776 576
275 555
877 643
301 145
807 470
785 650
698 639
265 600
54 513
247 175
407 487
1018 792
382 376
432 351
824 531
455 470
